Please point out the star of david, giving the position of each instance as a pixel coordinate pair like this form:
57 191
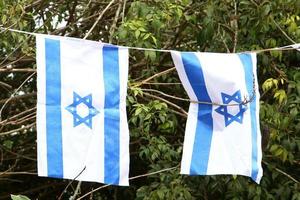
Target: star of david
223 110
73 109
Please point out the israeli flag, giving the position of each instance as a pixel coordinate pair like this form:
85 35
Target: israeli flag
82 130
220 139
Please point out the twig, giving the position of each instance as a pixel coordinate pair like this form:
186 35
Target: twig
168 102
94 190
254 2
177 113
131 178
167 95
28 78
18 97
235 28
17 70
5 30
153 173
17 115
282 172
5 85
18 173
169 109
31 114
223 39
77 190
34 4
154 76
98 19
8 66
24 119
11 53
86 7
16 154
10 168
18 129
11 180
123 11
114 24
283 32
272 49
71 183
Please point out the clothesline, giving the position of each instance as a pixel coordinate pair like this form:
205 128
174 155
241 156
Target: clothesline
246 99
282 48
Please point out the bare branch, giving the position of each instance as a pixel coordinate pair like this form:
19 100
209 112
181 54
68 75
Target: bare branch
168 102
114 24
11 99
18 129
283 32
236 30
98 19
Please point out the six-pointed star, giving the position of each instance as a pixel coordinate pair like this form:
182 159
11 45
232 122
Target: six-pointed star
87 101
223 110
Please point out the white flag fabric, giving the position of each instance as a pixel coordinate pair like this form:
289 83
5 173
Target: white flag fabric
82 129
220 139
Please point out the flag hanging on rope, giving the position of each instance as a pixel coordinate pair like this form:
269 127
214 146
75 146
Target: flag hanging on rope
82 129
224 138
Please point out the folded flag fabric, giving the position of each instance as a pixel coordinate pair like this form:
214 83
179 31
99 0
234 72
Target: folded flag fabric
82 129
220 139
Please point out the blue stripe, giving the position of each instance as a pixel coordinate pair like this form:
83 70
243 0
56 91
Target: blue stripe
53 108
204 130
248 69
111 115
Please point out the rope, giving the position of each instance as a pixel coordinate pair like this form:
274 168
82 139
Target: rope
288 47
250 99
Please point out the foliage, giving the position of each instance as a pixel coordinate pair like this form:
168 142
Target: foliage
156 122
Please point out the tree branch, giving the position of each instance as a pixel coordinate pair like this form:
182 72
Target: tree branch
168 102
114 24
282 172
17 130
98 19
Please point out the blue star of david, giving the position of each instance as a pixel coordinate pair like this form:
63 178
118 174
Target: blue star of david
227 99
87 101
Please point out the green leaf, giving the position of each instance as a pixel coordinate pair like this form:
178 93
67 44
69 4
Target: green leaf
160 194
270 83
8 144
4 18
152 55
280 95
130 99
278 152
146 36
19 197
138 111
137 34
122 33
148 116
273 147
154 40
